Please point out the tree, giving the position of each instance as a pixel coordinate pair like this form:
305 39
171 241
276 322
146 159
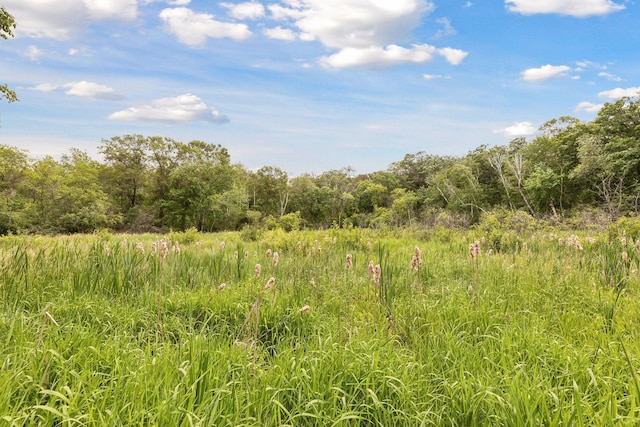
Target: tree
7 25
13 167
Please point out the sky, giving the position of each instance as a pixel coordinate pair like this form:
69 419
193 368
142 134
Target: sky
311 85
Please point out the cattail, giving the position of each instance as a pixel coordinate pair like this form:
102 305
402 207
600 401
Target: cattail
304 309
256 270
416 260
474 249
154 248
140 248
490 252
312 282
270 283
199 243
299 246
377 272
349 262
222 245
370 268
164 250
235 255
269 253
124 243
222 286
255 254
276 258
319 250
625 256
176 248
107 251
246 254
369 245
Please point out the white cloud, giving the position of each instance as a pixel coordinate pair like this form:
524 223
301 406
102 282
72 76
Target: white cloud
618 93
434 76
45 87
280 33
468 4
446 30
518 129
93 90
169 2
577 8
180 109
33 53
610 76
247 10
453 56
545 72
193 28
60 18
364 33
588 107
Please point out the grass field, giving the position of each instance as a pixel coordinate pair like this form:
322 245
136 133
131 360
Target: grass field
109 330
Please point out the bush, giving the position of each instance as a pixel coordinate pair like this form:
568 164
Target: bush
190 235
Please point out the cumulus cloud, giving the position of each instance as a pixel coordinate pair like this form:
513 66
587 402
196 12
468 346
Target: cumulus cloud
618 93
93 90
588 107
83 89
518 129
59 19
545 72
180 109
434 76
193 28
280 33
248 10
45 87
169 2
577 8
364 33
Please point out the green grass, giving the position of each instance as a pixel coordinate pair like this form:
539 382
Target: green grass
540 334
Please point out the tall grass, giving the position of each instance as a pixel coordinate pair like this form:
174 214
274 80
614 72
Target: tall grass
539 334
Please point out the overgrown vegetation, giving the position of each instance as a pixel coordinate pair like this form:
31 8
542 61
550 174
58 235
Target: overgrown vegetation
576 173
339 327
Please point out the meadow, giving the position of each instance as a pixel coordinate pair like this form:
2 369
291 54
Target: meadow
334 328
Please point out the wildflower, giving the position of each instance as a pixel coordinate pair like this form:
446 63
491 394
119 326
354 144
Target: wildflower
256 270
304 309
222 286
276 258
349 262
270 283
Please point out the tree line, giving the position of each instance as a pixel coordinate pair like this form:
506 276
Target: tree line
152 183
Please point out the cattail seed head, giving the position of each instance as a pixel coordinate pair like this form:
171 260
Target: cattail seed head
625 256
276 258
270 283
222 245
140 248
222 286
256 270
269 253
304 309
349 261
107 251
370 268
377 272
235 255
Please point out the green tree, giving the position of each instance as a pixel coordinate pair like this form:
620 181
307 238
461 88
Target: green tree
7 25
13 168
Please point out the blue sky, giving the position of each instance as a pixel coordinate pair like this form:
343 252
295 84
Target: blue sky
311 85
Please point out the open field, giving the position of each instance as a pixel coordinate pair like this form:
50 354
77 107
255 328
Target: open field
541 330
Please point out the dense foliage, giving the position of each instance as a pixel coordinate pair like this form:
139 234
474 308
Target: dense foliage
156 183
523 329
